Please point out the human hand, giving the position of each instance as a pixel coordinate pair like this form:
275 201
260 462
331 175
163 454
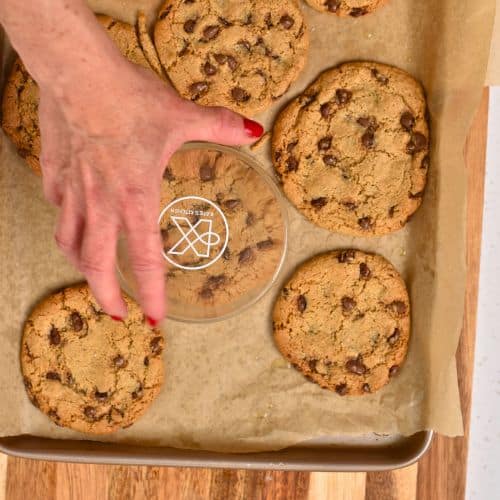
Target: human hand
106 140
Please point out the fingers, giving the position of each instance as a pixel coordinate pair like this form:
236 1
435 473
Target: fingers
222 126
98 253
144 248
69 229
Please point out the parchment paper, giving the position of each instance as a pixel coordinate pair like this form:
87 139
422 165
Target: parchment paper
227 387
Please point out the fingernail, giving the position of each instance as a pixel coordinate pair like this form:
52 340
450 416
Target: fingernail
117 318
152 322
253 129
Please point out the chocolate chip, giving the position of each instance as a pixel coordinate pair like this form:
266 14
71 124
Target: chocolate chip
394 337
184 50
209 69
392 210
138 393
232 63
90 412
53 414
197 89
239 94
326 109
332 5
348 304
346 256
245 44
189 25
232 204
365 223
356 366
226 255
366 388
379 76
286 21
425 162
248 20
319 202
76 321
358 12
325 143
220 58
265 244
245 255
341 389
146 361
368 138
53 376
393 370
330 160
342 96
415 196
366 121
54 336
211 32
155 345
250 220
407 120
225 22
268 20
350 205
301 303
417 143
119 361
399 307
292 164
364 271
207 172
312 364
101 396
165 13
168 175
206 293
214 282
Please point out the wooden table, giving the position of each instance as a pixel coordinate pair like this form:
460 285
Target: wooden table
439 475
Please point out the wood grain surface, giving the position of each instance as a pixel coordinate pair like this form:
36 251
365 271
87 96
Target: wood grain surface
440 475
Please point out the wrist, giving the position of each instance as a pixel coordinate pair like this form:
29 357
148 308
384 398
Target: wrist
59 41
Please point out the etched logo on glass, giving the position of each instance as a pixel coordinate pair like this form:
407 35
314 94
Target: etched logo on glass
195 232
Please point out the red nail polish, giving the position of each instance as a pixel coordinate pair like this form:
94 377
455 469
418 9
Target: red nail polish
253 129
152 322
117 318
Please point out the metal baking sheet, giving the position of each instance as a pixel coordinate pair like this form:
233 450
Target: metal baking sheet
329 454
333 454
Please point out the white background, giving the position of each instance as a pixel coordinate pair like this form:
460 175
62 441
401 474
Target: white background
483 477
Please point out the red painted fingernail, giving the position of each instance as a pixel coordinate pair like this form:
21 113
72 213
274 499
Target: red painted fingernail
152 322
117 318
253 129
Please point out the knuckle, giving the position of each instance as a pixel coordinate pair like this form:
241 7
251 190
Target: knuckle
66 246
92 265
146 263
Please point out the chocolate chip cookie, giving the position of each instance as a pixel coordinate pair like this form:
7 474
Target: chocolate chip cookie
223 231
85 370
342 8
352 151
343 319
20 97
241 55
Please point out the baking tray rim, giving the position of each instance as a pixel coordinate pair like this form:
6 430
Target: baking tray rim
296 458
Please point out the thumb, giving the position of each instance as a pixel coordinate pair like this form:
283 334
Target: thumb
222 126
